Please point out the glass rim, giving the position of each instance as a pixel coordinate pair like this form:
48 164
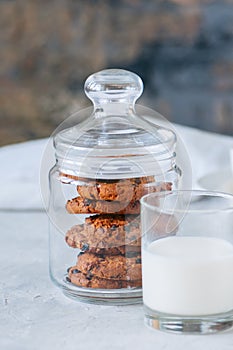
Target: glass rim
195 192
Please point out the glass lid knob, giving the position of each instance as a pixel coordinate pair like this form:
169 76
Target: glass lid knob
113 85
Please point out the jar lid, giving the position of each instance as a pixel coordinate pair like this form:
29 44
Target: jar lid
114 142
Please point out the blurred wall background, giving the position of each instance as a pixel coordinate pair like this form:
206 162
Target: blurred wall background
182 49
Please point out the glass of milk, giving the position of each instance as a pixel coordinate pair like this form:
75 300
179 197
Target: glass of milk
187 261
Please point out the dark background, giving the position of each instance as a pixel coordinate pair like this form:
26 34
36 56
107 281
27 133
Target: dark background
182 49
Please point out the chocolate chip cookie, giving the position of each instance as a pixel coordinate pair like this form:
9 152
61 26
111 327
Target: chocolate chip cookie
78 278
124 190
81 205
110 267
106 230
77 237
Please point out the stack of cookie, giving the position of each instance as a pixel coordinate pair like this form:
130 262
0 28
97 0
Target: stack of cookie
109 241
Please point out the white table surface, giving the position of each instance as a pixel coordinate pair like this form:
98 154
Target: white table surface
34 314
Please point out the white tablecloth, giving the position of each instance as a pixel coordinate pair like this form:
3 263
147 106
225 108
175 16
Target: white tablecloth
34 314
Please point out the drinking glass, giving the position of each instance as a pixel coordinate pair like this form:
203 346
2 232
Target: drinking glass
187 261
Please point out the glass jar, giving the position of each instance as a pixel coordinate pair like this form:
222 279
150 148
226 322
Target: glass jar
104 165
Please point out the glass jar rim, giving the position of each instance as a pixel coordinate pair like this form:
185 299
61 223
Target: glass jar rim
190 194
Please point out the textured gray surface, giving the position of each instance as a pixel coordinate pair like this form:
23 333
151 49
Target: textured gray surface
35 315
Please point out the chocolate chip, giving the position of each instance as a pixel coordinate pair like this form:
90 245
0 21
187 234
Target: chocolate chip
75 271
68 270
87 201
85 247
138 181
68 279
89 276
130 254
138 261
101 256
81 253
114 227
